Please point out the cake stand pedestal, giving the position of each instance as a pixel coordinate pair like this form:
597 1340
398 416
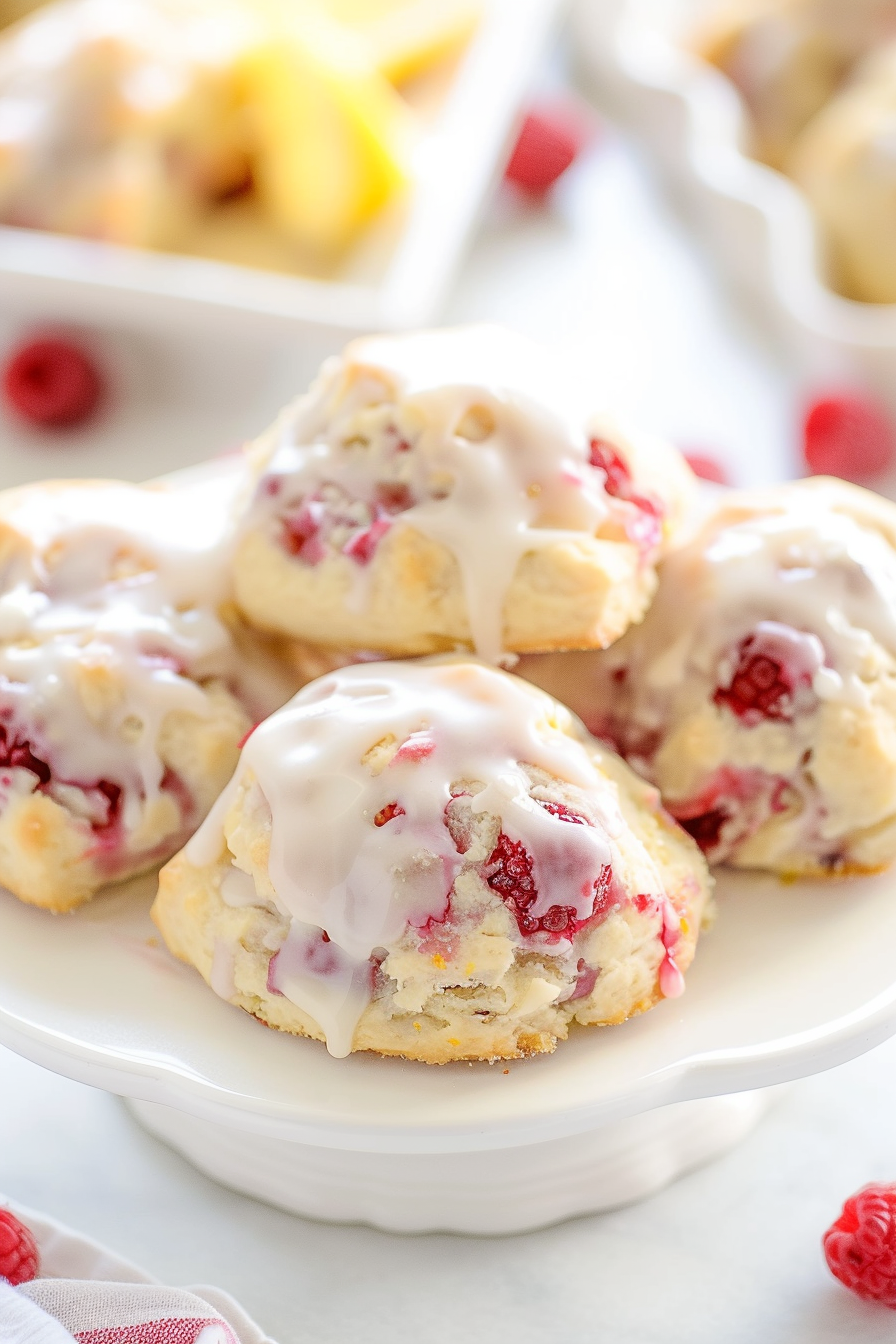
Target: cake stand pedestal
489 1192
790 981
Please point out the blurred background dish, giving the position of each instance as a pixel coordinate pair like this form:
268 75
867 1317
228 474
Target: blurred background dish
782 61
197 352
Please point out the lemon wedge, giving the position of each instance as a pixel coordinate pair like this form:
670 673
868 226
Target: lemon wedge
332 138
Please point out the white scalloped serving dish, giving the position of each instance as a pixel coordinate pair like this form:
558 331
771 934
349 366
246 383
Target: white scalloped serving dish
754 218
398 274
791 980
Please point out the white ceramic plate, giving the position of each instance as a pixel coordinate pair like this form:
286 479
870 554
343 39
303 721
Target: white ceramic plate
791 980
755 219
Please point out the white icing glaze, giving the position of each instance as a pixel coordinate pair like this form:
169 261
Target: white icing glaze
820 572
108 618
473 427
814 587
361 739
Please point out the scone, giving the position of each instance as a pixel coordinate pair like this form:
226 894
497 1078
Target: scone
445 490
122 699
788 57
845 161
759 694
434 860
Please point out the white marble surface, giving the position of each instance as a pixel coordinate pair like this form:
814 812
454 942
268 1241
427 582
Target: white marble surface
729 1254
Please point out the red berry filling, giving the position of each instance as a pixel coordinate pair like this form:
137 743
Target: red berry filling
361 546
324 522
302 532
52 383
772 677
860 1247
512 879
730 808
100 804
16 753
19 1258
645 525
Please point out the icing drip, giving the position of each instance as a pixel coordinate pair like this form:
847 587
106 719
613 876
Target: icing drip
792 607
108 619
828 580
462 435
357 773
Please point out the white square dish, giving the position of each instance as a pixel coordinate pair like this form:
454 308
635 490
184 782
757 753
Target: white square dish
396 277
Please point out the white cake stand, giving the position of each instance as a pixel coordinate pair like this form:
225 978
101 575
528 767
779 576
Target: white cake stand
791 981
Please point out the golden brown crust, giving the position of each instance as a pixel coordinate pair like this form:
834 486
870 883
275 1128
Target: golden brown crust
496 996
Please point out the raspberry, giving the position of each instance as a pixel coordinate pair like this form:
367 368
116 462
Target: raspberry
511 878
860 1247
762 687
707 468
645 528
550 139
19 1258
52 383
387 813
848 436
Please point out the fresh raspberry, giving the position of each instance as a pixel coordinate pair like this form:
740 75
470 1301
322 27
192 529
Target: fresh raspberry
53 383
707 468
762 687
19 1258
550 139
848 436
860 1247
387 813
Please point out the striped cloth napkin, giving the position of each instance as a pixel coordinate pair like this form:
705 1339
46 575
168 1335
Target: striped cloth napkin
86 1295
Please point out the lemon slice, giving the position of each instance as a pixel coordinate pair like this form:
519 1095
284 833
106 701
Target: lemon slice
332 137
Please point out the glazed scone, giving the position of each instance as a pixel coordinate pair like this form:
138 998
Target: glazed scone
788 57
759 694
122 696
445 490
434 860
845 161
